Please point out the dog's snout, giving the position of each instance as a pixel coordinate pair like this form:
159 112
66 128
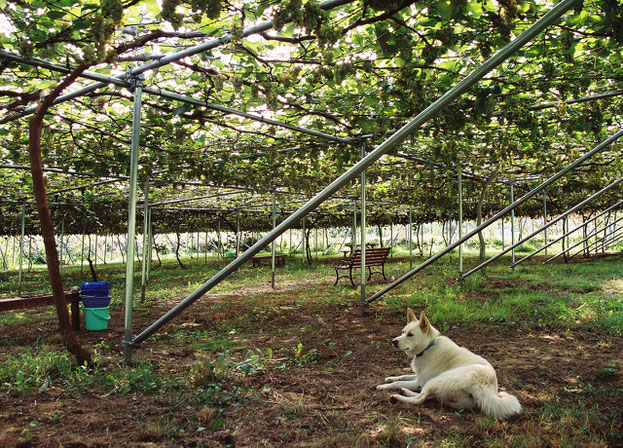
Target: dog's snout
395 342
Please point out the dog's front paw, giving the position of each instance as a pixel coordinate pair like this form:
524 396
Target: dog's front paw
394 398
383 386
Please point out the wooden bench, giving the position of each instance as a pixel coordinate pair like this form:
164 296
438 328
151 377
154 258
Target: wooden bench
280 259
35 300
374 257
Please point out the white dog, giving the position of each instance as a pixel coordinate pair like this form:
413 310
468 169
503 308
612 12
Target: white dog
453 374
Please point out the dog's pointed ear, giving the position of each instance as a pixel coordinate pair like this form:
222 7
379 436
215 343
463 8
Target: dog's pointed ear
410 315
424 323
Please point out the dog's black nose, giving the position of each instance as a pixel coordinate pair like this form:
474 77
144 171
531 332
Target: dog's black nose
395 342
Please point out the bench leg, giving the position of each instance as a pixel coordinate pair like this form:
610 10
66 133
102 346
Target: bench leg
337 277
383 271
351 277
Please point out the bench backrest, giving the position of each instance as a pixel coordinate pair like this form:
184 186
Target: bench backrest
374 257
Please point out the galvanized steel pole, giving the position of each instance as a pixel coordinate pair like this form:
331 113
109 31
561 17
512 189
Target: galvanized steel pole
549 224
21 251
498 215
164 60
564 235
460 182
545 222
353 234
272 278
145 242
396 138
614 239
410 239
594 243
149 245
512 223
363 230
129 271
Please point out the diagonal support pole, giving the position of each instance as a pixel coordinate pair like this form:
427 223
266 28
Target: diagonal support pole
564 235
595 243
498 215
549 224
395 139
164 60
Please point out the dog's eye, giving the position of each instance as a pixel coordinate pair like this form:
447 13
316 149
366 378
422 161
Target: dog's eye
409 334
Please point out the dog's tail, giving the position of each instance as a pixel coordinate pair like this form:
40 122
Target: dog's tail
499 405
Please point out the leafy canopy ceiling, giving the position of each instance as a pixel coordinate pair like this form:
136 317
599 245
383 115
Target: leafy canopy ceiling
363 67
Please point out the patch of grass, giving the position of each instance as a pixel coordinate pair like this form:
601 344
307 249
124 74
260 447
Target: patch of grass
37 369
294 410
542 296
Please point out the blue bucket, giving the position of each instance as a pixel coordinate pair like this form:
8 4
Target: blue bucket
97 289
95 301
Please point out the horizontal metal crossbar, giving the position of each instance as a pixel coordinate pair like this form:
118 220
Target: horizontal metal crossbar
396 139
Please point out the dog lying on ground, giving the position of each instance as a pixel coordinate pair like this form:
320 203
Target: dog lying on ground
452 374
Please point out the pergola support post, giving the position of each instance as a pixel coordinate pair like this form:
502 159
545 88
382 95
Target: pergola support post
460 186
237 233
499 214
363 231
395 139
564 217
512 223
132 200
272 277
150 237
21 250
145 241
545 222
599 241
571 231
410 239
60 251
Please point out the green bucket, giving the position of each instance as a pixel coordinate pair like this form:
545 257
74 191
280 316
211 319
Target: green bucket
96 318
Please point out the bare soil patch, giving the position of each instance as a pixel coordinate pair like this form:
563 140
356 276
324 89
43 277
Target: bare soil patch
321 396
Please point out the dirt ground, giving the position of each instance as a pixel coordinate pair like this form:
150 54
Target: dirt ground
322 400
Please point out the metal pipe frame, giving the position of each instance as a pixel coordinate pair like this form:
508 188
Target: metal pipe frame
582 99
363 228
591 234
599 243
549 224
353 233
398 137
460 187
545 221
595 243
602 242
95 184
198 198
410 239
498 215
512 222
561 237
150 245
132 201
145 242
60 252
161 93
21 250
615 239
272 277
103 81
